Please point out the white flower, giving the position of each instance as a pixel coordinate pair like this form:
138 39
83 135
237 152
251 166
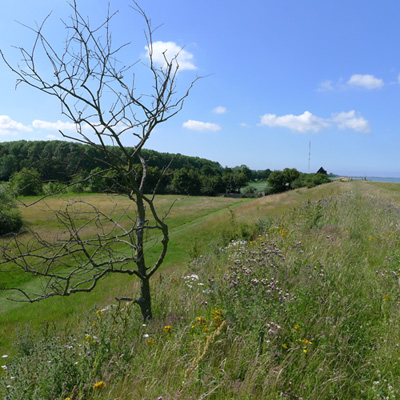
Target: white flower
192 277
5 356
4 367
146 335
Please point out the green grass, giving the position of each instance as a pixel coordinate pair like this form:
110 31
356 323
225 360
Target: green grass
306 308
259 185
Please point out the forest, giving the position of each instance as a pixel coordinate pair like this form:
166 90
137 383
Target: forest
34 167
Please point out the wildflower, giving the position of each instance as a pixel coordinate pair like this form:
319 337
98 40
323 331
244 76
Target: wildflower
284 345
151 342
146 335
297 327
386 297
5 356
305 341
87 339
160 398
201 320
89 353
168 329
99 385
99 313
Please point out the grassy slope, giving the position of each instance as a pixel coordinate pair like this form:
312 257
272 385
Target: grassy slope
339 339
194 222
189 216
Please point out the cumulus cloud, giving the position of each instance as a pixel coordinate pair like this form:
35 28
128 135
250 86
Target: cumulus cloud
351 120
366 81
307 122
54 126
303 123
170 50
201 126
11 127
219 110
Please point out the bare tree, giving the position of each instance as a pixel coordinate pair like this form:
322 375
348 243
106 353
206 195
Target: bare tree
98 95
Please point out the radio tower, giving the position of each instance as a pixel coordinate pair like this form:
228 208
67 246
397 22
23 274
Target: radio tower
309 156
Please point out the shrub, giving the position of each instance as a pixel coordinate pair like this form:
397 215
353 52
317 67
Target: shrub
27 182
10 217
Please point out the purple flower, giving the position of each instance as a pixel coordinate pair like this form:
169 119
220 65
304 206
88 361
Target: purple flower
89 353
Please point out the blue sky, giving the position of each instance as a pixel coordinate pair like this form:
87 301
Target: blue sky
278 75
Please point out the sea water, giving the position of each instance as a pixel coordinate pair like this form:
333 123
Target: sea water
377 179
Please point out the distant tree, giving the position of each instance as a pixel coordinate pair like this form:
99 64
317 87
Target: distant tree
234 181
8 165
27 182
290 175
277 182
97 93
186 182
211 185
10 217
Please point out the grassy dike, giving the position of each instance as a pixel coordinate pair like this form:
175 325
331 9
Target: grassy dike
307 306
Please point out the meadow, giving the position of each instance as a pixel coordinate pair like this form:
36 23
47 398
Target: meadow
292 296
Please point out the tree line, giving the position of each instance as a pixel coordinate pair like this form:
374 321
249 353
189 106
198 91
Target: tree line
29 164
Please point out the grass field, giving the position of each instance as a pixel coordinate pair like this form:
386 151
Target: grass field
305 304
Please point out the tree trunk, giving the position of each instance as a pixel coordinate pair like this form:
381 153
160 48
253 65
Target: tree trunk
145 299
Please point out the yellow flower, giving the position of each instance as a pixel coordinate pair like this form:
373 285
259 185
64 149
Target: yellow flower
305 351
168 329
201 320
99 313
297 327
87 339
151 342
99 385
284 345
216 311
386 297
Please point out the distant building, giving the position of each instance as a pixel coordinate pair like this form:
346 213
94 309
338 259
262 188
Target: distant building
322 171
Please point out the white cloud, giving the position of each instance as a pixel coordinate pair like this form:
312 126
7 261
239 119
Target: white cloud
365 81
351 120
201 126
170 50
51 137
219 110
298 123
244 125
325 86
11 127
307 122
54 126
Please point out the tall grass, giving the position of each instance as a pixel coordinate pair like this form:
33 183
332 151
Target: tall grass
307 306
